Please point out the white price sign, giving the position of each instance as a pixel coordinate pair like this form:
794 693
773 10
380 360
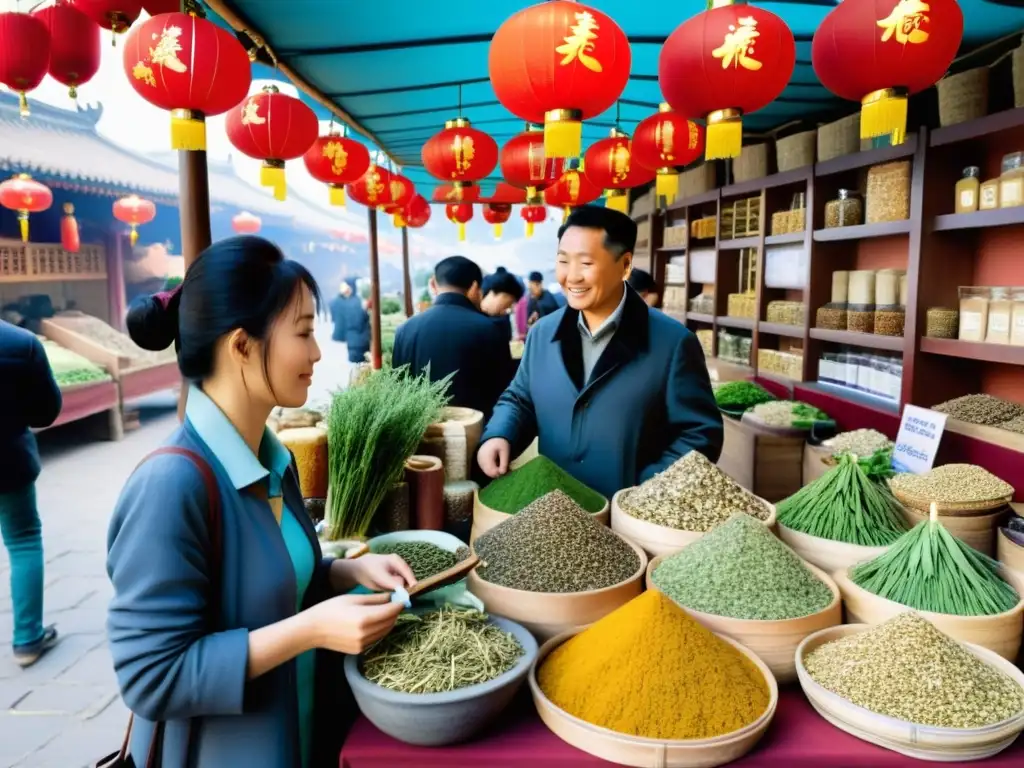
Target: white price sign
918 441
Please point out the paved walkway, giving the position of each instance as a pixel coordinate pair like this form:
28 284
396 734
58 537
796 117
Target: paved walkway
65 711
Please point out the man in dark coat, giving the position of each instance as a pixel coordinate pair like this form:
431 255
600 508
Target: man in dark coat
32 401
501 291
455 337
541 301
616 391
351 322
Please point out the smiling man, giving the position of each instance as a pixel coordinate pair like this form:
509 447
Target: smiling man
615 391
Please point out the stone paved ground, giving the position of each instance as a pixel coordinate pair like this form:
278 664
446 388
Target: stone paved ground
65 711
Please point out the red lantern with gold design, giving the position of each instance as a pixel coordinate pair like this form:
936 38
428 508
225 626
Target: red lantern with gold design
523 163
245 223
506 193
609 164
496 214
134 211
445 193
74 45
70 240
532 214
571 190
24 54
373 188
115 15
26 196
461 214
273 127
402 190
336 160
879 52
190 67
559 63
459 154
664 142
726 62
417 212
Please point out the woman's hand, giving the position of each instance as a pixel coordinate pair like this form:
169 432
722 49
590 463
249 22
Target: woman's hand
351 623
377 572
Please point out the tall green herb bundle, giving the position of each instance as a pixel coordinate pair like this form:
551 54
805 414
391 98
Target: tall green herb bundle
931 570
846 505
371 430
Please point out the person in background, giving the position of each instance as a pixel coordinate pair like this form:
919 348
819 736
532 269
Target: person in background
351 321
33 401
501 291
541 301
636 395
641 281
223 646
456 338
521 315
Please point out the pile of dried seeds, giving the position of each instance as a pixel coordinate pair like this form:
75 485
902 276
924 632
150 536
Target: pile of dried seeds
985 410
952 484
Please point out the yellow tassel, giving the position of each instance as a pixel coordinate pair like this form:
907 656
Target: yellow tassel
497 231
273 177
337 195
565 213
724 140
529 229
398 221
617 203
563 135
23 104
884 113
462 232
667 186
133 238
23 223
188 134
281 191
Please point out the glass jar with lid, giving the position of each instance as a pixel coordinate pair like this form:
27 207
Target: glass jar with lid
1011 182
845 211
968 189
1000 310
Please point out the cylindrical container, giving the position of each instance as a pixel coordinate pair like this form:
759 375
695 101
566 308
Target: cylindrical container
1000 313
904 289
890 320
942 323
840 286
831 317
968 190
425 476
309 447
886 287
845 211
973 312
860 318
431 446
458 507
460 430
393 515
862 287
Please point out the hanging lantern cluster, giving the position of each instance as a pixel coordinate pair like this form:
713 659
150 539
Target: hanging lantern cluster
70 240
336 160
245 223
74 45
571 190
273 127
662 143
524 165
24 54
115 15
445 193
879 52
533 214
26 196
382 189
416 213
459 154
497 214
134 211
609 164
460 214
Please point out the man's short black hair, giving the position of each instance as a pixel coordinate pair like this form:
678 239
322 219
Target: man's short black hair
536 277
504 282
619 229
640 280
457 272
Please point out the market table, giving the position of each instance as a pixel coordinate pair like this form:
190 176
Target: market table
797 738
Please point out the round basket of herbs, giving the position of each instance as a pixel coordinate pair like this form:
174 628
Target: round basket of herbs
734 398
742 582
1010 545
516 490
785 417
441 676
907 686
552 566
963 592
427 552
957 489
676 507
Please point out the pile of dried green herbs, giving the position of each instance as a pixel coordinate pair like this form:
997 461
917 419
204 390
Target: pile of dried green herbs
537 477
372 429
741 395
441 651
425 558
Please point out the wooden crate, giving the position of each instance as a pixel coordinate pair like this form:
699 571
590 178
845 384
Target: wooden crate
768 465
47 262
114 363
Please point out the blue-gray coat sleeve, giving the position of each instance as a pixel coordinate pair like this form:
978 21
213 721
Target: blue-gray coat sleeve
43 399
693 415
169 666
514 418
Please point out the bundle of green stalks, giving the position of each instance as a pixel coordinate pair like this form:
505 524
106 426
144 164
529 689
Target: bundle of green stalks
931 570
371 430
845 504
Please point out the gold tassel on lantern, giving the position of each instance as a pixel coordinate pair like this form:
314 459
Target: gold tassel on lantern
529 229
398 220
563 133
133 236
272 175
23 225
884 113
725 134
462 232
565 213
337 194
23 109
188 131
497 231
616 200
667 184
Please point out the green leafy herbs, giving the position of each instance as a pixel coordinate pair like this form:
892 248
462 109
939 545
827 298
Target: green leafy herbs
536 478
931 570
741 395
371 430
846 505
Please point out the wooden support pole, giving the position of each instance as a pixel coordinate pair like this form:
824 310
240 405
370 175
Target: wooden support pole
375 351
406 273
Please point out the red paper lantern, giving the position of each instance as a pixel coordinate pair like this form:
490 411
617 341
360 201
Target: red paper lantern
879 52
115 15
24 54
523 163
402 190
459 153
26 196
608 163
273 127
461 214
156 7
134 211
506 193
74 45
336 160
445 193
559 63
497 214
373 188
190 67
70 240
723 63
571 190
665 141
245 223
417 212
532 214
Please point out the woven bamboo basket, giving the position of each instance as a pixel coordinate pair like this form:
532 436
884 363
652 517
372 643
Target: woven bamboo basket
796 151
963 96
1018 76
485 518
460 429
918 741
830 556
774 642
1000 633
623 749
839 138
977 530
950 508
1010 554
751 164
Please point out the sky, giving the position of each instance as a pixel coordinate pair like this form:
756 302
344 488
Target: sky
130 121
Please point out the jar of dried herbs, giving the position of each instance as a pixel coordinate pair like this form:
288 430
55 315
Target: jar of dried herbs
889 320
943 323
845 211
1000 309
973 313
1017 318
831 317
860 318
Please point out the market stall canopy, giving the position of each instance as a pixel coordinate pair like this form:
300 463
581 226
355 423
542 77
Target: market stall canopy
396 72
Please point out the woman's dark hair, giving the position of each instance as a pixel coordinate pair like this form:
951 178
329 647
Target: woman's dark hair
504 282
641 281
242 282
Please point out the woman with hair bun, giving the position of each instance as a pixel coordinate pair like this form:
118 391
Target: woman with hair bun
223 605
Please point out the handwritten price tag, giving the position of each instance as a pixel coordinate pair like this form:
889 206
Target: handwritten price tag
918 441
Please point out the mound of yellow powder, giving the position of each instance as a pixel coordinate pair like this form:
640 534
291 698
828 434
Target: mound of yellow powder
648 669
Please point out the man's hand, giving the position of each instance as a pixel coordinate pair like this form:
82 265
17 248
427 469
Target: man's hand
533 318
493 456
